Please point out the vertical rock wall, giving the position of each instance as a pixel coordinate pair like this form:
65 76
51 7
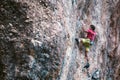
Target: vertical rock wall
32 39
113 41
37 39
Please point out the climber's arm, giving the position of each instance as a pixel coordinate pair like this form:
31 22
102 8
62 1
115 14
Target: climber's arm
84 29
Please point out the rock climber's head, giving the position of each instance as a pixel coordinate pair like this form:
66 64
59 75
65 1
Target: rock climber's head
92 27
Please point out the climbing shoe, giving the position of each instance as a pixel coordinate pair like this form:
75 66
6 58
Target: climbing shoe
87 66
77 41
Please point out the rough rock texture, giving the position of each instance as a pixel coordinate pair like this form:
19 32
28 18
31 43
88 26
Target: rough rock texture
32 40
113 42
37 39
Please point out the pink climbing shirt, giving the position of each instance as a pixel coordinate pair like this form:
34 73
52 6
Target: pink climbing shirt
91 34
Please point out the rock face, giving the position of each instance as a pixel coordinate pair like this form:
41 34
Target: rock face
37 39
32 40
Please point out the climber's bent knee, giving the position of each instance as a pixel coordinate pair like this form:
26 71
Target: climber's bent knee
87 49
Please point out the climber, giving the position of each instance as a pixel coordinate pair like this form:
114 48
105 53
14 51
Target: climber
87 42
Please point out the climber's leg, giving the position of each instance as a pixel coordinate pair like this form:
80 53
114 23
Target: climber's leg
87 48
86 53
79 43
86 60
86 56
